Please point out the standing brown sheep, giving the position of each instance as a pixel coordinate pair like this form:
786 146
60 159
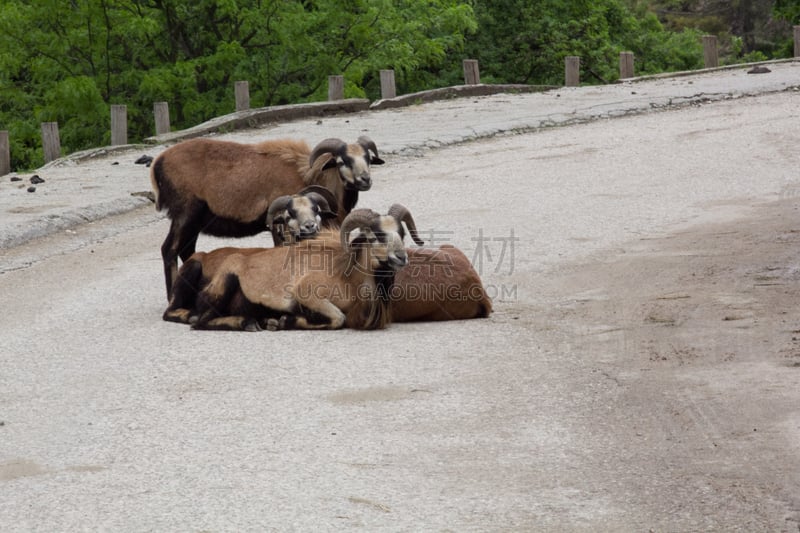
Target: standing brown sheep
225 188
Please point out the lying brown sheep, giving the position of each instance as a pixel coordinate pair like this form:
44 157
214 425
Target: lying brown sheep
342 279
438 284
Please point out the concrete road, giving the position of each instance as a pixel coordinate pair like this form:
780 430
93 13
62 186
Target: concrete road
548 416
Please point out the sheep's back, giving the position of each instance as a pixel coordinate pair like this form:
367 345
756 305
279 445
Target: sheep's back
236 181
438 284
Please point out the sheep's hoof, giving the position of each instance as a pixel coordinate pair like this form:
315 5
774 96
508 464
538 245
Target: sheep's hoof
193 319
274 324
277 324
251 325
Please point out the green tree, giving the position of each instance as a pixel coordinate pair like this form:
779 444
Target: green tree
788 10
68 61
530 46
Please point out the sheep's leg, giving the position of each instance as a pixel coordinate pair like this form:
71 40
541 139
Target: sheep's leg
186 239
230 323
318 314
277 324
214 301
324 315
181 241
169 255
184 293
216 311
188 249
307 319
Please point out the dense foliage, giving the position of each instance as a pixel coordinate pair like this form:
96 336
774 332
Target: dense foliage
68 60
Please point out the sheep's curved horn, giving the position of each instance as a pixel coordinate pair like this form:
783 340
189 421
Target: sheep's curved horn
278 204
326 146
402 214
358 218
322 203
325 193
368 144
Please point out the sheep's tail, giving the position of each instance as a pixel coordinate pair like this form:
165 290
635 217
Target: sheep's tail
156 178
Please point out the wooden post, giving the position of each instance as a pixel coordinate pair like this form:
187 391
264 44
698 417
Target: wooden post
51 143
241 90
710 57
472 75
335 88
797 41
5 153
625 65
388 89
572 71
161 114
119 125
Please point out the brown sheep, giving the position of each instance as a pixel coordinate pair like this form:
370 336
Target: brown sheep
225 188
341 279
438 284
301 216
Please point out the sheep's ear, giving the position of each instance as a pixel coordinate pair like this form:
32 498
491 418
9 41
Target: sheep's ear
369 235
376 160
357 237
331 163
328 214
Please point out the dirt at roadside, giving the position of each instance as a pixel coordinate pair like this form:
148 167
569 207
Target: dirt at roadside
706 295
698 333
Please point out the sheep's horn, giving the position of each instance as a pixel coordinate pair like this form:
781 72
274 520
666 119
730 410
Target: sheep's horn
322 203
278 204
326 146
368 144
358 218
402 214
326 194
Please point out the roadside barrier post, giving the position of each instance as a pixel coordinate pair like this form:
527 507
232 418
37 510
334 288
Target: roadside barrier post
335 88
797 41
119 125
388 89
5 153
710 56
161 114
472 75
572 71
51 143
625 65
241 90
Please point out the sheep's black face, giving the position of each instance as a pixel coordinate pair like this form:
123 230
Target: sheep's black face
354 168
303 217
386 244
